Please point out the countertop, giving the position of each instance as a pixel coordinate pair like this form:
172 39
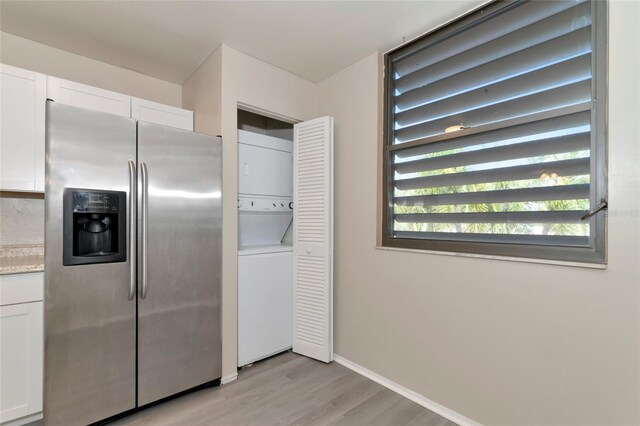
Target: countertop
18 259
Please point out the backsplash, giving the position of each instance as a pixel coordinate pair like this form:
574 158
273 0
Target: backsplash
21 221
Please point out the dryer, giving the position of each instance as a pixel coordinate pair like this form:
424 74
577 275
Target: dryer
265 258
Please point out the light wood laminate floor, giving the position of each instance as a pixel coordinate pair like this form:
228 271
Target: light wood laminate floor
290 389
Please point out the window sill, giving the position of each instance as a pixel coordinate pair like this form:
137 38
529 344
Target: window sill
503 258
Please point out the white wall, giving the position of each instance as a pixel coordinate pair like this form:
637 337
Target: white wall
38 57
254 83
499 342
202 94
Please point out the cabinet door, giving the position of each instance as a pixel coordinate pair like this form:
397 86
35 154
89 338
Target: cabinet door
88 97
21 288
22 120
165 115
313 239
21 362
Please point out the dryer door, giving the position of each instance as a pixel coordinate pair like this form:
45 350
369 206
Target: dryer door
264 171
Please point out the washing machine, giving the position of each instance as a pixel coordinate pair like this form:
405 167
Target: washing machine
265 253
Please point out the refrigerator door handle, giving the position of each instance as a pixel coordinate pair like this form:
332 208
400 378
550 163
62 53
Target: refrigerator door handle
145 188
132 229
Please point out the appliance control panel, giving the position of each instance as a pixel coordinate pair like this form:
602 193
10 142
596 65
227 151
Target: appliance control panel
95 202
265 204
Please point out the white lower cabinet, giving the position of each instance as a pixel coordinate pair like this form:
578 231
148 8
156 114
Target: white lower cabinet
21 347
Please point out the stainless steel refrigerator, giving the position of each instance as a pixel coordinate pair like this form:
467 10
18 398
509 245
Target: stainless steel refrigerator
132 264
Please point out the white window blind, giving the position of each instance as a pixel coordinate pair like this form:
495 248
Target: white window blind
495 133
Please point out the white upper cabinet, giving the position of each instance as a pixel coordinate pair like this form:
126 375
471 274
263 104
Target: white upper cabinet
165 115
83 96
22 122
23 96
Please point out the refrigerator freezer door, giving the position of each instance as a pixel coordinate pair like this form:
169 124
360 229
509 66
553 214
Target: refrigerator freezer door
90 323
179 334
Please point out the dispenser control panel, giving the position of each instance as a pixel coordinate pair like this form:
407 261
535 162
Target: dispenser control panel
95 202
265 204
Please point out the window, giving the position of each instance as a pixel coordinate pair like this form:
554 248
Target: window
495 134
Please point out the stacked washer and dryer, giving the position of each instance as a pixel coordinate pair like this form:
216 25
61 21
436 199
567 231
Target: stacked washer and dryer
265 258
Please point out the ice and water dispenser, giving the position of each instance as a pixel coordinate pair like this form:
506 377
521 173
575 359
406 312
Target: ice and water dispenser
95 226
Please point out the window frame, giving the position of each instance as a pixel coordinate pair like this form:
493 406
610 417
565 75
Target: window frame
596 252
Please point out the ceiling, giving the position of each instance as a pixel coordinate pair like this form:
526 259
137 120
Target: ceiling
170 39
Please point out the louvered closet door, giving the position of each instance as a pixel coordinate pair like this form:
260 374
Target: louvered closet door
313 239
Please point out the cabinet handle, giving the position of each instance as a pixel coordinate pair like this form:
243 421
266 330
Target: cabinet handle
145 190
132 229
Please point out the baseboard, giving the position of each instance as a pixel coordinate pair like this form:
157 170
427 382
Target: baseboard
23 421
228 379
407 393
